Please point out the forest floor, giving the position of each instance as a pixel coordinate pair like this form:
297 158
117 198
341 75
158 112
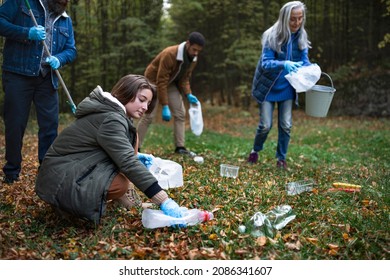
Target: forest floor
328 224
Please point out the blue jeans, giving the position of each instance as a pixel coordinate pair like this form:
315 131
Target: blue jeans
284 126
20 92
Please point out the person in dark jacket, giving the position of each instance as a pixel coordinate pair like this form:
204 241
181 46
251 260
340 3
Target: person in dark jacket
285 49
94 160
28 73
171 71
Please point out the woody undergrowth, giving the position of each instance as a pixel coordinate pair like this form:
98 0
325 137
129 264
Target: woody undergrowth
328 225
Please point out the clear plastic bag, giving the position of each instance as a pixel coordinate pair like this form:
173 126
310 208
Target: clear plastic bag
196 118
304 78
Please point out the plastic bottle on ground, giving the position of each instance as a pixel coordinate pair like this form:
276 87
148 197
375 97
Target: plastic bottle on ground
294 188
267 224
152 218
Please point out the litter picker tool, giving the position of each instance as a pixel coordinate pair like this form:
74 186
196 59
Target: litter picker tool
70 101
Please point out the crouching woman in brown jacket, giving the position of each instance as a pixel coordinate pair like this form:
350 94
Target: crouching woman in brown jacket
95 158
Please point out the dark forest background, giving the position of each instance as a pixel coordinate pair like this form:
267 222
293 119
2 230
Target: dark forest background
350 42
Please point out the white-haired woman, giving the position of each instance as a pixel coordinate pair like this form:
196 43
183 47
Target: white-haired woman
284 49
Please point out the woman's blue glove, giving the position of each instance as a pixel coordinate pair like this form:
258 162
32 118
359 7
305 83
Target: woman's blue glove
291 66
53 61
166 113
192 98
37 33
171 208
146 159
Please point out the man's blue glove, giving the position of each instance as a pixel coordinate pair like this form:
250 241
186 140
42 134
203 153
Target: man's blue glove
37 33
192 98
171 208
53 61
146 159
166 113
291 66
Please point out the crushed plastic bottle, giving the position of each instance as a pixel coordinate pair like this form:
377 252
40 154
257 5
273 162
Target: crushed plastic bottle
152 218
294 188
266 224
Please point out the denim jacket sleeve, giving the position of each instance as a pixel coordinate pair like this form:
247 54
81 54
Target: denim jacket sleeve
64 47
9 10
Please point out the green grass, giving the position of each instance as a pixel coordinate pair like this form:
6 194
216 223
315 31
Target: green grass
328 225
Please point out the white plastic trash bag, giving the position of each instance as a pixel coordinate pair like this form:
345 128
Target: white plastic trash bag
196 119
304 78
168 173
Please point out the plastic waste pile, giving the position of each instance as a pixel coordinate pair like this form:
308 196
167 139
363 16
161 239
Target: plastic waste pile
267 224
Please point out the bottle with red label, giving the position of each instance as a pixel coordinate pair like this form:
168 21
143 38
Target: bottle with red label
152 218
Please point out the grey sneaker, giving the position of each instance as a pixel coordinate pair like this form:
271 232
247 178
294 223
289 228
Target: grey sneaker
184 151
130 199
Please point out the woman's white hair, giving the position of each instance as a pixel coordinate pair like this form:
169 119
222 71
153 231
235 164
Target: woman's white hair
279 33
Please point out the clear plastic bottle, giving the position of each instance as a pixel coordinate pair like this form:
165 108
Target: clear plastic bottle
294 188
152 218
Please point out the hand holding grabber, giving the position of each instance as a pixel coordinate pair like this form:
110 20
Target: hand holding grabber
54 63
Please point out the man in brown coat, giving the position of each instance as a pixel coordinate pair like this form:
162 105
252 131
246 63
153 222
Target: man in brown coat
171 71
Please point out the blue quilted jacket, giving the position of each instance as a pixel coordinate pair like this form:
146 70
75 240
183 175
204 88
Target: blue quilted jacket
271 66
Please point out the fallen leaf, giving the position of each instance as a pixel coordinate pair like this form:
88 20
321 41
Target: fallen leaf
261 241
240 251
293 246
312 240
193 254
213 236
332 252
366 202
333 246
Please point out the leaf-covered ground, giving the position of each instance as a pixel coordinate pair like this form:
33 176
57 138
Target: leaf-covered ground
328 225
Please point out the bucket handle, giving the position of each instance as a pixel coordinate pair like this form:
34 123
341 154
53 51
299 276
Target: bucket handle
323 73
